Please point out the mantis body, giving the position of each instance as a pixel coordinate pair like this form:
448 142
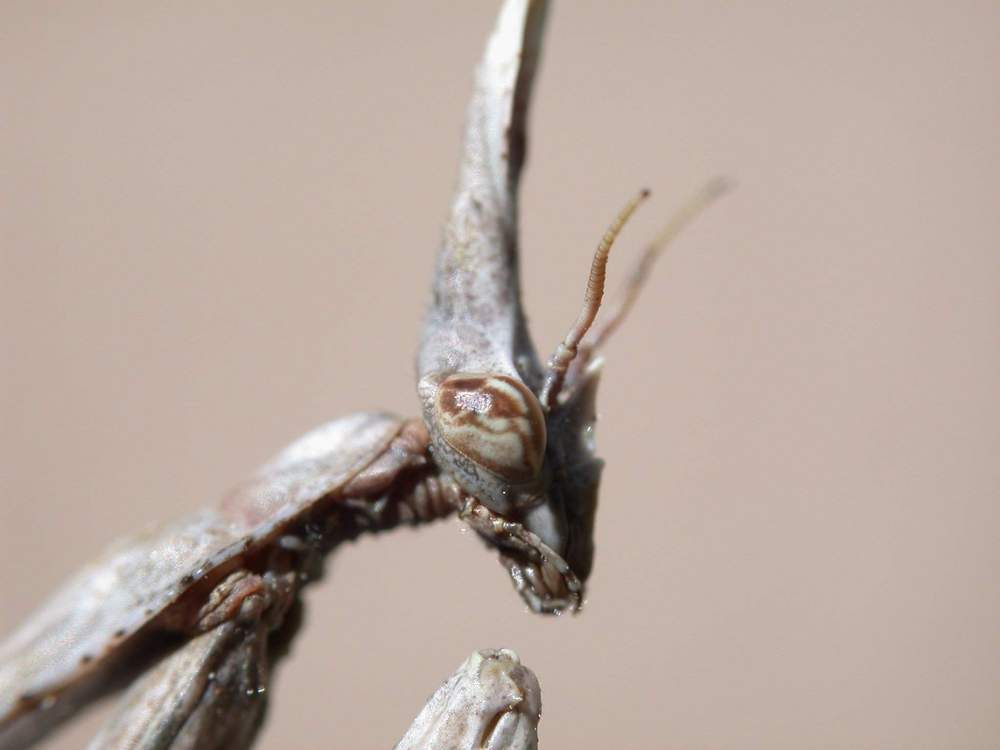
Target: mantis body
504 440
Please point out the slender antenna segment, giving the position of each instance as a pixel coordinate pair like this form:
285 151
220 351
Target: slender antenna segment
640 271
566 351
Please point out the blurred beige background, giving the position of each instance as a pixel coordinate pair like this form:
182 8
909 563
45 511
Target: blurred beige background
217 223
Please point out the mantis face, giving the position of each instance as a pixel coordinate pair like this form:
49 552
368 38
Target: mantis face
529 474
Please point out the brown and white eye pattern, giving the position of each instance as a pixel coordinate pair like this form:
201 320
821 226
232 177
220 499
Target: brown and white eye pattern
494 421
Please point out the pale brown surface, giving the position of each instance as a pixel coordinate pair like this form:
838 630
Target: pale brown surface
217 226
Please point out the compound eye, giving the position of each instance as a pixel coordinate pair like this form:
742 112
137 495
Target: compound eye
495 421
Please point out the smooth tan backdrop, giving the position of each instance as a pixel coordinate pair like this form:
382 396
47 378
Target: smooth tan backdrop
217 222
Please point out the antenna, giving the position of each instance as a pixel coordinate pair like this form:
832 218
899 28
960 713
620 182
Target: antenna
566 351
697 203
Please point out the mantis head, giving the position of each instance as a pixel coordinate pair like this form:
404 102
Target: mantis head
518 440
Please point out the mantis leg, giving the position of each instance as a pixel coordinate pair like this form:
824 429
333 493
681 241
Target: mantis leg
492 702
210 694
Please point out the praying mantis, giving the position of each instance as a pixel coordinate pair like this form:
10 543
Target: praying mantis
504 440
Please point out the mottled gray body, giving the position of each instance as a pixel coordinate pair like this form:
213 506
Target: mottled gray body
192 575
224 577
211 693
504 441
140 582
